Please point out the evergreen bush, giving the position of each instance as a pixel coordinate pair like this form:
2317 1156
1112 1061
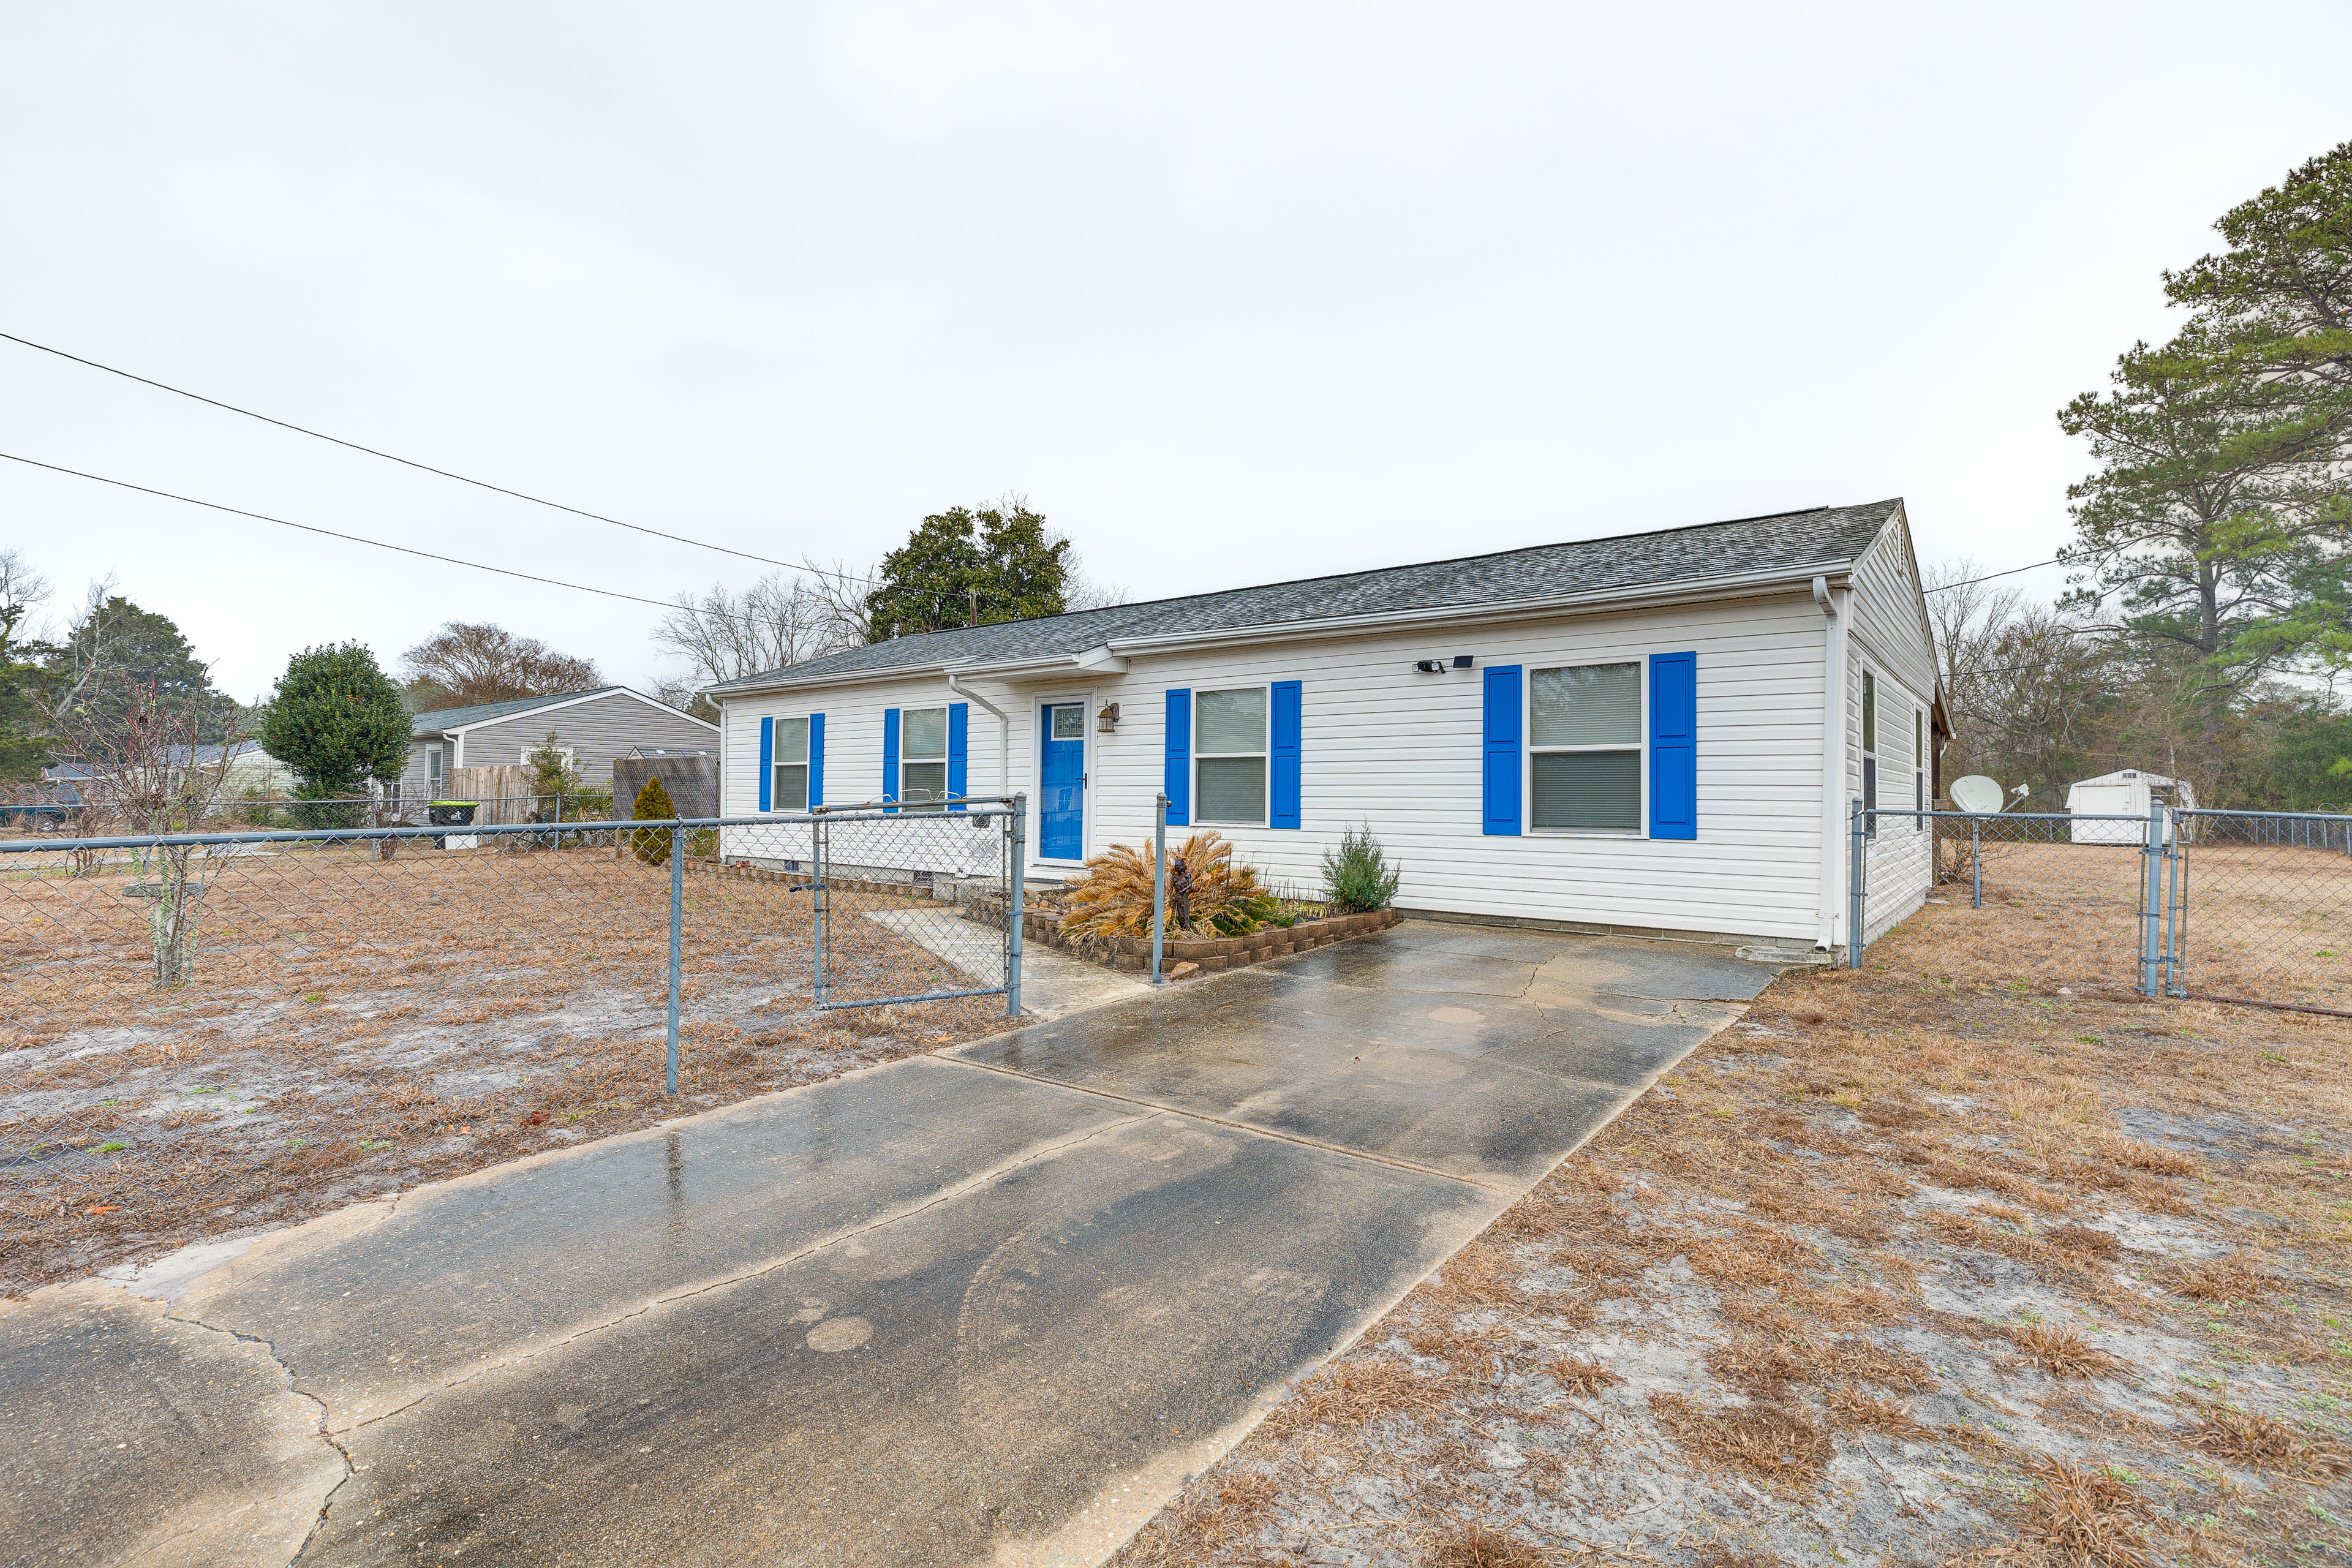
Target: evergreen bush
651 845
1356 879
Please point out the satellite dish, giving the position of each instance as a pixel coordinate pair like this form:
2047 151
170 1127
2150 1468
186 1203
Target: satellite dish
1977 794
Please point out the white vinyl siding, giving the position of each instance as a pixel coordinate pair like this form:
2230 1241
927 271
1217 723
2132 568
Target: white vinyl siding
1401 751
1889 641
1229 755
1584 766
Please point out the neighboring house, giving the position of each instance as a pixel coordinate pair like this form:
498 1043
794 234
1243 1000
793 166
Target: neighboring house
250 771
1621 734
592 727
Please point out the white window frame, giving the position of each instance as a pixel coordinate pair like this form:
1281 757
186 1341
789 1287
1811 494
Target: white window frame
937 802
1640 748
1919 801
436 770
1264 758
776 769
1866 734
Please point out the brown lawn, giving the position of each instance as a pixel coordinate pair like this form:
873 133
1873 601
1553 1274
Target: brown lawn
356 1026
1929 1262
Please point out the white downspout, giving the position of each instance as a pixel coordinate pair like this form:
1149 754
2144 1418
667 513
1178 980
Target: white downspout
1004 731
1832 915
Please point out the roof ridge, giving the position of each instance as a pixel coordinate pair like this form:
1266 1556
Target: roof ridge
1371 570
1812 536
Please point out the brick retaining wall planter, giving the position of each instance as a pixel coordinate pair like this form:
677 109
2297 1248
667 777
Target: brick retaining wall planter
1210 953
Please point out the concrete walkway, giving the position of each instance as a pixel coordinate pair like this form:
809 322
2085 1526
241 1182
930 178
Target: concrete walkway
990 1306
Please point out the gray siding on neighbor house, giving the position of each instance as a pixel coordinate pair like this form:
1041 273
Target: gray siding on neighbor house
598 730
413 779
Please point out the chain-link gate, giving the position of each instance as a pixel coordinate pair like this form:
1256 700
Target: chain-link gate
2265 920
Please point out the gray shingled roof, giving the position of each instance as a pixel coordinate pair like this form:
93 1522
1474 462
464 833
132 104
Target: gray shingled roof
441 720
1825 536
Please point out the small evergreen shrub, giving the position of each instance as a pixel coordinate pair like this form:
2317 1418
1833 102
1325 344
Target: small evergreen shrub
1356 879
651 845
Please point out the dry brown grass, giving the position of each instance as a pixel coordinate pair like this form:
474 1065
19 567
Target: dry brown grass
1475 1545
1776 1441
1951 1063
1353 1394
2062 1352
1850 1406
1579 1377
2251 1437
357 1026
2087 1516
2238 1277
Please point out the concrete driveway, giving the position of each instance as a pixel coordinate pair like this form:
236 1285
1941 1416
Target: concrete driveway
990 1306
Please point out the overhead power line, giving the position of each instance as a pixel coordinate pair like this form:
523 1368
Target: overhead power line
376 543
426 468
1940 587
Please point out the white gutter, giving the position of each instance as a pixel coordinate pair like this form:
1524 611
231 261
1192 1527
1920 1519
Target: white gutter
1003 731
1740 586
1835 830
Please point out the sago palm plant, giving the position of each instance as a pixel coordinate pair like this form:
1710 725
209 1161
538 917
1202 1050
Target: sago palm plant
1207 892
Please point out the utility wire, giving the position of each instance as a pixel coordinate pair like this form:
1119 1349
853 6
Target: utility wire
1940 587
356 539
427 467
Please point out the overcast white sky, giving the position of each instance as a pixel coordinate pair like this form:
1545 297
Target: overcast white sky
1232 293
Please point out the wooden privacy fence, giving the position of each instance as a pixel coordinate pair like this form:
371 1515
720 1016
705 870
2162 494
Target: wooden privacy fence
504 792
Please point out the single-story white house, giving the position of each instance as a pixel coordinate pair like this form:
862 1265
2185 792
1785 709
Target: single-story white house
591 727
1624 735
2126 793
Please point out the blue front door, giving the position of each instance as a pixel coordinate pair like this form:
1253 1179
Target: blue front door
1061 782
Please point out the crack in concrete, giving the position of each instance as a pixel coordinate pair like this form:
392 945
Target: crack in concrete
324 1434
834 1238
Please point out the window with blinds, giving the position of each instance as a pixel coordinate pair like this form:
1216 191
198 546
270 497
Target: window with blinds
1228 753
923 757
1585 766
788 791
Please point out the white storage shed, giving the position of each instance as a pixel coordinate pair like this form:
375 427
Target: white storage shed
2129 792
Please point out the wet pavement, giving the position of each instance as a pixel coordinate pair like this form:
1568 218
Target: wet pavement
991 1306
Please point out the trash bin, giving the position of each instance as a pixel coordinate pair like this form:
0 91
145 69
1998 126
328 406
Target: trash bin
453 814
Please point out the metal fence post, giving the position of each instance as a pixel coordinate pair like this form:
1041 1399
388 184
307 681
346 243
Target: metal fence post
2151 934
1159 881
676 938
2176 913
816 903
1975 862
1015 914
1854 903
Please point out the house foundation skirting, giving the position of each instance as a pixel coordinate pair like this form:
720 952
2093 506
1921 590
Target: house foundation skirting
1595 928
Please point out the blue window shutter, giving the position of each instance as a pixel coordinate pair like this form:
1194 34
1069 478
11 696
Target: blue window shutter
889 756
1674 745
1177 781
959 728
1501 776
816 760
1283 810
767 763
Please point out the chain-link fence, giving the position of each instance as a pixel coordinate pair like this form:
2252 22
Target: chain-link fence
2236 906
205 1031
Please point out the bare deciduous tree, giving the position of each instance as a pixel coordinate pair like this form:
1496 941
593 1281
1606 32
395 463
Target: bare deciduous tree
723 635
21 588
149 774
467 663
